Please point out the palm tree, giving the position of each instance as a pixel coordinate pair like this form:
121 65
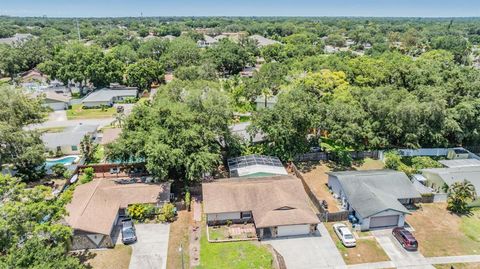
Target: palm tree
119 118
459 194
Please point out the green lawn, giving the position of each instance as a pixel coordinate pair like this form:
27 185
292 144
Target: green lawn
77 112
233 255
51 129
470 225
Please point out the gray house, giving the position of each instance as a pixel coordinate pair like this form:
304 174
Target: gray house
438 177
108 97
68 141
377 198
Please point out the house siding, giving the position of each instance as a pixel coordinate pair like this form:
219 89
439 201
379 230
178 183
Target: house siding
97 104
223 216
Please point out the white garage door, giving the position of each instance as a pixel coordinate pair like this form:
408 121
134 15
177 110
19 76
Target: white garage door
384 221
293 230
57 106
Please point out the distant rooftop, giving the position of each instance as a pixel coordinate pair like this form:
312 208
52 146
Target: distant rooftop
106 94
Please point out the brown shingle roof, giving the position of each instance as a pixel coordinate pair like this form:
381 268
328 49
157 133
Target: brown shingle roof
95 205
274 201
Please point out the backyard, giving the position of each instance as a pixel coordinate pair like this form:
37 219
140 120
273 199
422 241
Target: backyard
77 112
441 233
234 255
315 175
116 258
366 251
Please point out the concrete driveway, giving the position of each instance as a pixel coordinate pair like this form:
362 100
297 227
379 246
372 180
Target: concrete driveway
60 115
397 254
150 250
309 252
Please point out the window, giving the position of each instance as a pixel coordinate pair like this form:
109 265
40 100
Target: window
246 215
74 148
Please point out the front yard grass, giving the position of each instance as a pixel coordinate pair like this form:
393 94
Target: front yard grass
179 236
77 112
115 258
440 233
367 250
233 255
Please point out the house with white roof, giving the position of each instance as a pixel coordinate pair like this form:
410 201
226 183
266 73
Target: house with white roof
108 96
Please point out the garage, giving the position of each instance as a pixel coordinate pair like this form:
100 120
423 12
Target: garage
57 106
384 221
292 230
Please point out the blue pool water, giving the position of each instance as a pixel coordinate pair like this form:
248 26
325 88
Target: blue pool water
65 161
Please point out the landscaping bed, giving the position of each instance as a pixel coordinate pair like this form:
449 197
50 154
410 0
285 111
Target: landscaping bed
441 233
233 232
366 251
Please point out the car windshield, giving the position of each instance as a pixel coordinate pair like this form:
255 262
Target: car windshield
348 236
127 233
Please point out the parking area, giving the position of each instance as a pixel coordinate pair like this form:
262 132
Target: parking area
150 250
397 254
309 252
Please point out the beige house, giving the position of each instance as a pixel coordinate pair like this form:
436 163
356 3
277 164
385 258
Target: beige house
96 207
277 205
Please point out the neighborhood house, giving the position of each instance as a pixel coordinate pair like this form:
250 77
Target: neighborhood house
55 101
437 178
68 141
277 205
97 206
107 97
377 198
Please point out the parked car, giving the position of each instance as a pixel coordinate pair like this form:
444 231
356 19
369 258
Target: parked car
344 234
406 238
128 231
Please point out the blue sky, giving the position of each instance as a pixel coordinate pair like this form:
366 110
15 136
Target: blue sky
134 8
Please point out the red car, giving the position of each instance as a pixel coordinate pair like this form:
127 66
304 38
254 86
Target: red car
406 238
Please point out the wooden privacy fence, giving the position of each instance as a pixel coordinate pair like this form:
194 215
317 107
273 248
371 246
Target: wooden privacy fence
322 156
323 215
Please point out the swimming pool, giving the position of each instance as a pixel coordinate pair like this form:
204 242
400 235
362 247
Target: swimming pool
67 160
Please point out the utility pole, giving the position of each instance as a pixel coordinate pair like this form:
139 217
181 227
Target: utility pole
78 29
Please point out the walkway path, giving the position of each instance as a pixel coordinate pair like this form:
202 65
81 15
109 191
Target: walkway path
197 208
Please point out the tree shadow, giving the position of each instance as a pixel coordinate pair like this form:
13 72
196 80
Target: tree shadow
84 256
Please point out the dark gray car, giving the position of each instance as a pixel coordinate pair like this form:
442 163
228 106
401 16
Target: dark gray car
128 232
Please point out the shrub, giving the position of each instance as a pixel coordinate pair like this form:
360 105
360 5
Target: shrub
187 200
392 160
422 162
140 212
229 222
88 175
167 213
58 169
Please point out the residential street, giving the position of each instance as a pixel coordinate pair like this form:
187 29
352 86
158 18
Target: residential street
150 251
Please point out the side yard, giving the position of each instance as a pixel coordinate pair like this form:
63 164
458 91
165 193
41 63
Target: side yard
366 251
179 231
77 112
441 233
233 255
